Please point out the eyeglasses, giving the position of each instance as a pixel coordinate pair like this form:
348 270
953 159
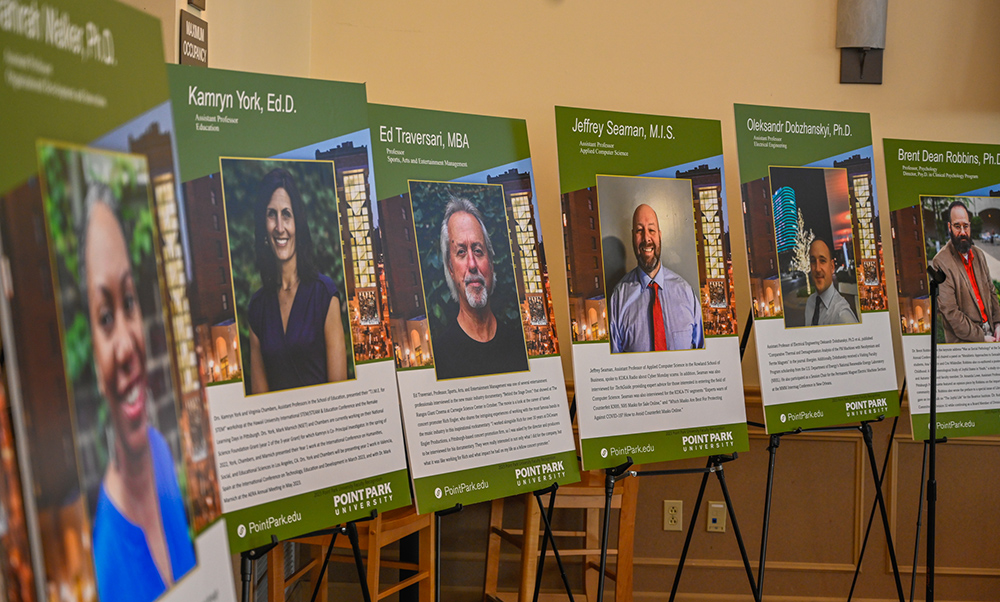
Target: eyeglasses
966 227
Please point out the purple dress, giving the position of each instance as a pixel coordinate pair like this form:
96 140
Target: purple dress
295 357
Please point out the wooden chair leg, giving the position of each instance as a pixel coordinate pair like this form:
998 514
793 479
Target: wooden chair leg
626 540
428 560
276 573
374 565
324 590
493 551
529 548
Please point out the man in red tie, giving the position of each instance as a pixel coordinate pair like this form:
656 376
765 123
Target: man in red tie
967 300
652 308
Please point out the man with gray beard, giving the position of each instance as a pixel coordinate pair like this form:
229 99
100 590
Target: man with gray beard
476 342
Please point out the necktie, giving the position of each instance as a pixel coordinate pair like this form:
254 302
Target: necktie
659 332
816 311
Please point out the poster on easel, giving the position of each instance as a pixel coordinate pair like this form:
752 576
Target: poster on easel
477 357
656 356
944 199
117 456
817 280
288 300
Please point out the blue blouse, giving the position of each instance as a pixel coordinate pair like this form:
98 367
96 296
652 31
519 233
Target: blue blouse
296 356
122 560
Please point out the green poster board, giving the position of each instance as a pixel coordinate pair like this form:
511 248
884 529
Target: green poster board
485 417
635 400
924 179
310 436
817 280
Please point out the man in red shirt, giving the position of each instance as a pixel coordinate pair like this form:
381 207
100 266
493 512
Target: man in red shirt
967 300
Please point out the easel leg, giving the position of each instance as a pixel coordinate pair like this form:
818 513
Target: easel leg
866 430
772 448
549 537
690 532
352 534
546 516
326 562
871 515
736 529
609 490
610 476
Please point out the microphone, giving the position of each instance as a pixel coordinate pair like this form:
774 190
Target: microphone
936 275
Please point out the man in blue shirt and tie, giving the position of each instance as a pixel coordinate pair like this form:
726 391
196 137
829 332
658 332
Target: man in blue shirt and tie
825 306
653 308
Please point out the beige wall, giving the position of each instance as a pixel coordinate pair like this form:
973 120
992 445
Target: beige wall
245 35
695 59
692 59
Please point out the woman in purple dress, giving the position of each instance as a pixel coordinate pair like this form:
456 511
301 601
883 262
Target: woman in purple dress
296 333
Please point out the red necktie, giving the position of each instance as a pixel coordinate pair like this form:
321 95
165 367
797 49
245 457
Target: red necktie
659 332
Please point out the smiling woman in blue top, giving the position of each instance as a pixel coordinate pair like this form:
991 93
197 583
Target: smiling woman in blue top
142 544
296 332
652 307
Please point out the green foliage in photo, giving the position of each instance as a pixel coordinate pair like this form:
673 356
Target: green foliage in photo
317 185
429 200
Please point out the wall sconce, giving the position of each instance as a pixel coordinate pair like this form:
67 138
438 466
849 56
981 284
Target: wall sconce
861 39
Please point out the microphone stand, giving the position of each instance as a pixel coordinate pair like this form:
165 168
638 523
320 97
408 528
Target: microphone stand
936 277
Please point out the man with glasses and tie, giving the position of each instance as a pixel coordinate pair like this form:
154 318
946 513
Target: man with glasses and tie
967 300
826 306
652 308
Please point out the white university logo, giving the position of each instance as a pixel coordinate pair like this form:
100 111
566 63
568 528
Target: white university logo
604 452
437 492
782 417
241 531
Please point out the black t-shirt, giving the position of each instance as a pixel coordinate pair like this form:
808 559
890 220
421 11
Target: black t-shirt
456 355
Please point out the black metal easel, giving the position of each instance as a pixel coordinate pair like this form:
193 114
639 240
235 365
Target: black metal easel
866 432
877 475
351 530
549 537
612 475
871 515
714 466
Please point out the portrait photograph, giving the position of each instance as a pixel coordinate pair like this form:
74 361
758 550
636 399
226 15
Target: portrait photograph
468 279
815 242
120 372
288 273
650 264
960 236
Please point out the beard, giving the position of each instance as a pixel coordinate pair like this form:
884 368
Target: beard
961 242
650 265
477 300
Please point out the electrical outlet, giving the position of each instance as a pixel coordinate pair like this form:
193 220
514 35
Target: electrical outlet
717 517
673 515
